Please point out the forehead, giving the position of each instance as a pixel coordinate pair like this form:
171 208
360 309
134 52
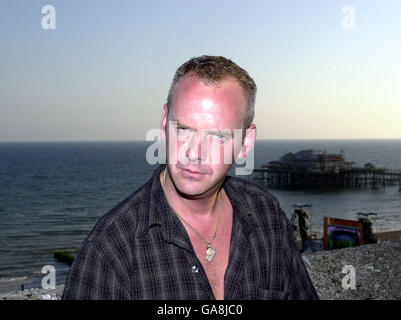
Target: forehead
223 104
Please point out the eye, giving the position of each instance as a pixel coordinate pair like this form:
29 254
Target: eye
219 138
184 131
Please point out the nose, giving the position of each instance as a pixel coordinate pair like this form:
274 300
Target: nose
195 152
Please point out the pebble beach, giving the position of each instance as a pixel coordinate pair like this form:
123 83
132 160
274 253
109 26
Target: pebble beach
377 272
377 275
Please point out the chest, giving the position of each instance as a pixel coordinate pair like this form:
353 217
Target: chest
163 267
216 268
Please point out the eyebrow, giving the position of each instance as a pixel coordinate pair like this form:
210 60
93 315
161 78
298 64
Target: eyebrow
220 132
184 126
211 131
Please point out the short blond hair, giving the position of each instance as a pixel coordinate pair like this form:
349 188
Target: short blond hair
212 70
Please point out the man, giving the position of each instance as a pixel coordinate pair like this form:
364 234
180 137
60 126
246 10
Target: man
191 232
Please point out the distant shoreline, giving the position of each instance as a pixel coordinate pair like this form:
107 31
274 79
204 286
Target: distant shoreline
257 140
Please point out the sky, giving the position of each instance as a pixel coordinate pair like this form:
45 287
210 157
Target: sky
324 69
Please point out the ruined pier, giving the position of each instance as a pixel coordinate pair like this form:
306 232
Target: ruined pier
314 169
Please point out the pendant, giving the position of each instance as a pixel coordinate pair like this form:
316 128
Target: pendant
210 252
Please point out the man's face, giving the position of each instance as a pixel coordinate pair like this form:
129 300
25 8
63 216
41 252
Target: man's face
206 117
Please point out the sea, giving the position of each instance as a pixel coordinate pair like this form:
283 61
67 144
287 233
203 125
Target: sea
53 193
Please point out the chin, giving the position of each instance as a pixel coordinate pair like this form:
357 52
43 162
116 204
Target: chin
195 187
191 193
190 188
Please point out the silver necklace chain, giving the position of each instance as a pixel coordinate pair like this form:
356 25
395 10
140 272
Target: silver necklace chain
210 252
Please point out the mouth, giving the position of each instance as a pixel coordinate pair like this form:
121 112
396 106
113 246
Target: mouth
192 174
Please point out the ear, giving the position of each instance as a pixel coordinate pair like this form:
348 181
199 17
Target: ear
163 125
249 141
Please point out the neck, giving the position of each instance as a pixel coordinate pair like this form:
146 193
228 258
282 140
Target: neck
201 206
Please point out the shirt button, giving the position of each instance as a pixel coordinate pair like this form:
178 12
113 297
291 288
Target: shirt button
195 269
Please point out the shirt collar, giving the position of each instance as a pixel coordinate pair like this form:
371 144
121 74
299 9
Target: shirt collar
159 211
236 192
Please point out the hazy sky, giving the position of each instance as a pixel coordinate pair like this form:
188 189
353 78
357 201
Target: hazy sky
103 73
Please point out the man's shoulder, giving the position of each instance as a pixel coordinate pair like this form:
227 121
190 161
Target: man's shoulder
122 219
256 199
250 188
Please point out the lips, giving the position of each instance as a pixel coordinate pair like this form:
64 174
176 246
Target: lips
192 173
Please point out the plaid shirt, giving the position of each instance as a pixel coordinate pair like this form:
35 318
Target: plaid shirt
141 250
